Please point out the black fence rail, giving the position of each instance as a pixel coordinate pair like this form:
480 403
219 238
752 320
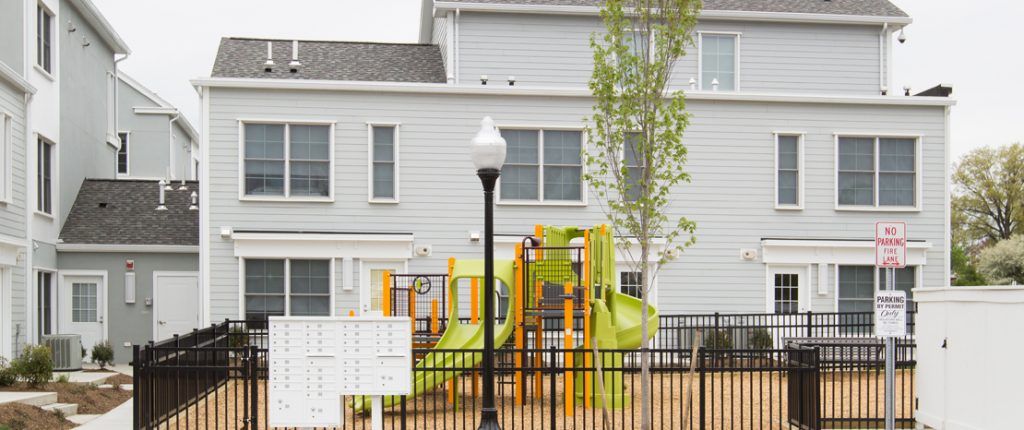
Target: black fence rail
216 378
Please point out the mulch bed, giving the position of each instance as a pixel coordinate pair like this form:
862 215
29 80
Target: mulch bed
24 417
90 400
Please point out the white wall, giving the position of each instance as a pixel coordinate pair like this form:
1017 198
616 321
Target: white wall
969 348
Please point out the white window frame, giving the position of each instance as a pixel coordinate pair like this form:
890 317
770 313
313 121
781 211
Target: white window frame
6 151
700 58
369 161
801 172
49 74
242 196
875 207
541 201
803 291
127 154
918 278
54 178
287 282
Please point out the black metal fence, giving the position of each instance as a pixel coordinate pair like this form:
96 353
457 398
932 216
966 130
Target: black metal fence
216 378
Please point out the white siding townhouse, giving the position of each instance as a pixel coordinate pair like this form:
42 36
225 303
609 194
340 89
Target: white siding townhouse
327 163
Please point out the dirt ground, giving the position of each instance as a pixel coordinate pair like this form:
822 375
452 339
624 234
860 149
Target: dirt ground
733 400
90 400
24 417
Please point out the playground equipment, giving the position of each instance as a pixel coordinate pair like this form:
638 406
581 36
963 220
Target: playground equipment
565 272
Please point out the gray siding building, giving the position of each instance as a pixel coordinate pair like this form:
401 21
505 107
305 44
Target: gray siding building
335 161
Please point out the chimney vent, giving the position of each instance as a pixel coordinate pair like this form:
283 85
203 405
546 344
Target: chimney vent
294 65
161 206
194 206
268 66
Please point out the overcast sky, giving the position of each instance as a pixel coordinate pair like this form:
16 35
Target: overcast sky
974 46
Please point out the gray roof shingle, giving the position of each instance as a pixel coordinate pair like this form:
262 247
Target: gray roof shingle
338 61
123 212
835 7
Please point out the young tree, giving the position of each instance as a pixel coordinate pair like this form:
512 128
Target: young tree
988 196
635 155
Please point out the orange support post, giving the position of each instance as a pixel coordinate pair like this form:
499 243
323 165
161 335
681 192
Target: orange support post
385 299
474 300
538 232
520 333
570 393
538 341
587 295
412 308
435 323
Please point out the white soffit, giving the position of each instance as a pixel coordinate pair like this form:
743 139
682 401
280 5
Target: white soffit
326 245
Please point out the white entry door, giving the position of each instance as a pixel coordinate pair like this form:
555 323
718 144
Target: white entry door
81 308
787 289
175 303
371 283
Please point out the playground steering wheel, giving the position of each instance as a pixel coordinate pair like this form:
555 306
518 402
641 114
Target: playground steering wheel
421 285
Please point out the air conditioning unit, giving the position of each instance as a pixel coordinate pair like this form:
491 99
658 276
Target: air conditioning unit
66 350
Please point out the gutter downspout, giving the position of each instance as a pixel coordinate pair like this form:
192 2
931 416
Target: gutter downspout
881 59
170 146
30 201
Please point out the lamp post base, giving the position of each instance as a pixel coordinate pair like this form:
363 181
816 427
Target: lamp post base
489 419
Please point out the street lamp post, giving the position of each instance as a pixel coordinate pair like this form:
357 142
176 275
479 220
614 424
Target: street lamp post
488 153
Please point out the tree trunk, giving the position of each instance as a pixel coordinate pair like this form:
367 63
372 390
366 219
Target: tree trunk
645 364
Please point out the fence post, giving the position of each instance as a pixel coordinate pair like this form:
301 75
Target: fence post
810 323
254 388
553 395
147 415
701 353
136 377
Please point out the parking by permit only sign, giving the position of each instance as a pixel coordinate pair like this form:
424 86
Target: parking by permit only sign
891 314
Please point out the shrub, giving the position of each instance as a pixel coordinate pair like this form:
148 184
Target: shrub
7 374
718 339
63 378
1003 263
761 339
35 365
238 337
103 354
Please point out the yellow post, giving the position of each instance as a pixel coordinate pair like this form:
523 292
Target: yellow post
520 333
587 295
474 300
434 321
451 291
412 308
570 393
385 300
538 232
538 341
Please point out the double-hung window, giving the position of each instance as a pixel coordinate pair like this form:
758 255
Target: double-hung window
542 166
287 287
788 176
634 165
44 176
44 38
877 172
630 283
122 154
288 160
719 61
44 303
857 286
384 163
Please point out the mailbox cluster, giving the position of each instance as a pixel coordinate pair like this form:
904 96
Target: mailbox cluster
316 360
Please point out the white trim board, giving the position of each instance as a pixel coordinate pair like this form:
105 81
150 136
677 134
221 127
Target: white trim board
581 91
853 252
298 245
396 142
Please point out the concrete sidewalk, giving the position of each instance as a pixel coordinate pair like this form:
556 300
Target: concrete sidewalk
117 419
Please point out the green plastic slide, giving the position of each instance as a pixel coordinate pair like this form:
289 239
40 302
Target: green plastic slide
458 336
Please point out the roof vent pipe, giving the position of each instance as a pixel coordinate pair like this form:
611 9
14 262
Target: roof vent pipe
194 206
182 187
906 90
161 206
294 65
268 66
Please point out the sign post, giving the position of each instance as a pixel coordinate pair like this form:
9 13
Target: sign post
890 305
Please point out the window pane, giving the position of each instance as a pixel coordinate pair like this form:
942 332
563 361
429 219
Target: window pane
631 160
789 152
264 159
383 180
519 182
521 146
562 183
896 155
856 282
122 154
630 283
264 276
856 154
856 188
788 185
310 277
562 147
83 302
309 142
383 143
310 178
896 189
